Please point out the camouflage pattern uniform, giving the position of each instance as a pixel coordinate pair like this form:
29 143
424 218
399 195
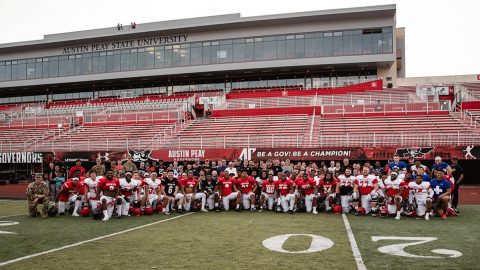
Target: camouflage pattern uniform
34 189
100 170
129 167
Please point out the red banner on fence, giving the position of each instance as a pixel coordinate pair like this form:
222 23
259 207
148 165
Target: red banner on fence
333 153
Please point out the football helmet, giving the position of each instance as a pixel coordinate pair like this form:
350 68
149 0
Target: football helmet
85 211
337 209
383 211
52 211
148 210
97 214
137 211
361 211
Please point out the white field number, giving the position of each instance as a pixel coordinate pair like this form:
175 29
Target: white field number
7 223
397 249
319 243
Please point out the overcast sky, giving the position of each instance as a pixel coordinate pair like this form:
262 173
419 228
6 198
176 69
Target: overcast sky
442 37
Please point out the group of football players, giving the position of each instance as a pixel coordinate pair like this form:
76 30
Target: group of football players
396 191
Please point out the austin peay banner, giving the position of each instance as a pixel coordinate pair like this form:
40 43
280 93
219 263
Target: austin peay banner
334 153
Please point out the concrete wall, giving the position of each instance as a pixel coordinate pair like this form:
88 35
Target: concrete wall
412 81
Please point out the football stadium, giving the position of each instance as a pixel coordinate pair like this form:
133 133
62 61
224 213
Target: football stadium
287 141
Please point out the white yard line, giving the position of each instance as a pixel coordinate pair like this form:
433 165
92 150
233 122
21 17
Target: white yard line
88 241
353 244
14 215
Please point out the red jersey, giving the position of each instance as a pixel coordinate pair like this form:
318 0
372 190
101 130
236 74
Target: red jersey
106 184
366 183
298 182
226 186
68 189
74 168
190 183
283 187
308 187
268 187
245 185
328 187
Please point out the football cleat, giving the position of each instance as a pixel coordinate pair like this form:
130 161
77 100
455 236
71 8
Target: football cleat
444 216
260 210
204 210
75 214
427 216
315 211
105 218
451 212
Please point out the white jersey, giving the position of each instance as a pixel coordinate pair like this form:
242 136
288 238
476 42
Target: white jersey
92 186
366 181
127 188
152 185
393 186
420 191
346 180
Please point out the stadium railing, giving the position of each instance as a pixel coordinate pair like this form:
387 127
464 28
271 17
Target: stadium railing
296 101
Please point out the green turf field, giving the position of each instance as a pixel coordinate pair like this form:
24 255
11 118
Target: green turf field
231 241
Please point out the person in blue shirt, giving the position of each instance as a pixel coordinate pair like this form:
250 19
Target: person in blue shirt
439 165
397 163
425 176
442 189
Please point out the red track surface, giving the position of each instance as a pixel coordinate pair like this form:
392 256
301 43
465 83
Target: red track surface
469 195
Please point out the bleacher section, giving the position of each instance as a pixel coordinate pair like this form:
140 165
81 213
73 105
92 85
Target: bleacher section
107 137
241 131
393 130
350 116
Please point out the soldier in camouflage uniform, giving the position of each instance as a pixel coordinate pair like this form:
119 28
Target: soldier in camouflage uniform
37 193
129 166
99 168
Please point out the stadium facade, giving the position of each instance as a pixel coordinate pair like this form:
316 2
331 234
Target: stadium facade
313 49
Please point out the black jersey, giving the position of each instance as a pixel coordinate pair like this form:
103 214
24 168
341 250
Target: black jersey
169 185
208 186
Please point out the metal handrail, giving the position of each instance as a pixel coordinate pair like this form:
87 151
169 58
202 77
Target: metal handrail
266 141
